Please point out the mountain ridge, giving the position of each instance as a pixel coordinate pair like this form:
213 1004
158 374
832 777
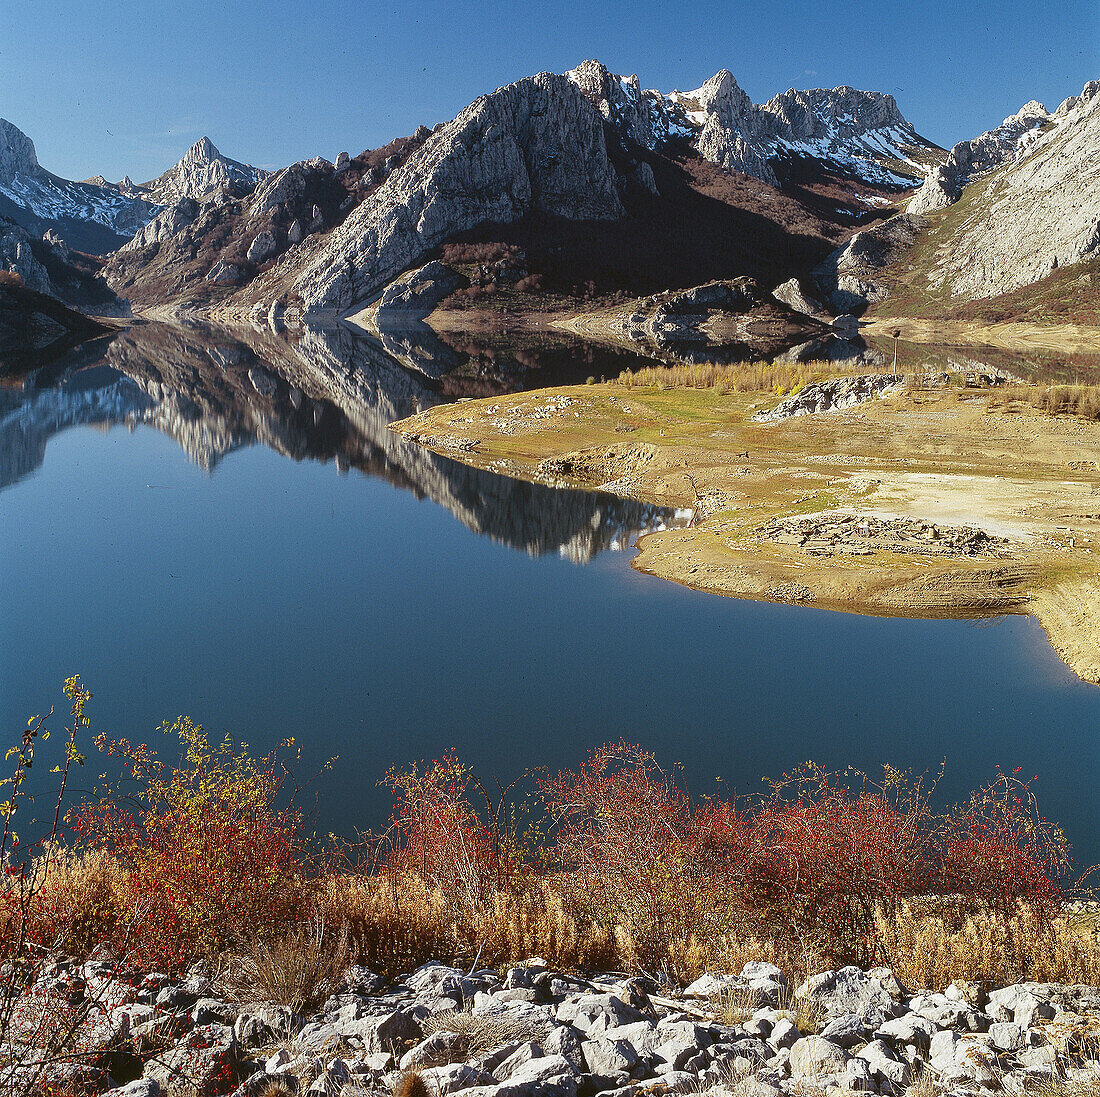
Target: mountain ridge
94 215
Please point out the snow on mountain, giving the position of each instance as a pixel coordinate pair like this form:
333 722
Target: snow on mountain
91 216
858 133
95 215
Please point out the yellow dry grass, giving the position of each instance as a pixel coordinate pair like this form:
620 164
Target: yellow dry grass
932 949
736 376
392 924
1080 400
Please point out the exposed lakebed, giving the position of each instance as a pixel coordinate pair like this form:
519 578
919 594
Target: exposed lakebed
225 528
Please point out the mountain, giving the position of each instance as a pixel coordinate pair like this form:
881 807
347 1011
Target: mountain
1005 220
593 186
202 171
594 180
860 133
93 216
96 216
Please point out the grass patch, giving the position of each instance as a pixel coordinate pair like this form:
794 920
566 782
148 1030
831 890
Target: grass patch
778 378
1079 400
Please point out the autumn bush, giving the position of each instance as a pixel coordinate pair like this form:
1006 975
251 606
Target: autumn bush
609 865
205 848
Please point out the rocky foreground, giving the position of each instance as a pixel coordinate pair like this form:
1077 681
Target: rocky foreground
529 1031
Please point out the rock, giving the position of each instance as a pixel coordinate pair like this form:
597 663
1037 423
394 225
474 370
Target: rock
362 981
712 985
883 1063
205 1063
57 245
610 1056
1019 1004
262 247
520 1056
642 176
549 1076
784 1034
535 145
140 1087
846 278
595 1013
342 161
1006 1036
294 233
224 271
910 1029
812 1055
454 1077
820 396
847 1031
793 294
17 256
566 1041
416 294
436 1050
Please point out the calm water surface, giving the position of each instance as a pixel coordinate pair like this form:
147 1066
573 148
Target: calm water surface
226 529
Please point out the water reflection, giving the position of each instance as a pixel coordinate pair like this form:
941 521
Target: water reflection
324 395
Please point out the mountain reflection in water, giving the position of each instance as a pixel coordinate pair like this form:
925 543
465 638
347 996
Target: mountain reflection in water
322 395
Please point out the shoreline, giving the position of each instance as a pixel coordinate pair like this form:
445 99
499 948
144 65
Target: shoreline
853 509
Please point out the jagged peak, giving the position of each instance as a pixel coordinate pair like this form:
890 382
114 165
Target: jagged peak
1030 111
201 152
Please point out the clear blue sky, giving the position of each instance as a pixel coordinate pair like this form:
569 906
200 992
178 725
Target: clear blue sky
122 87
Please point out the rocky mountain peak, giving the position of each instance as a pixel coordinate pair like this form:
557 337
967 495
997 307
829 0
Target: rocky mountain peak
824 112
203 151
17 155
721 94
859 132
202 171
535 145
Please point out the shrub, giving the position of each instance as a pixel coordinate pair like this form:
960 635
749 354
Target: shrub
489 252
623 845
441 835
207 852
46 1033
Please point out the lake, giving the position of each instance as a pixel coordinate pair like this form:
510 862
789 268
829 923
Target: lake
223 527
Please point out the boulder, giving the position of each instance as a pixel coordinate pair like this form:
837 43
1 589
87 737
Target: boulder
205 1063
262 247
813 1055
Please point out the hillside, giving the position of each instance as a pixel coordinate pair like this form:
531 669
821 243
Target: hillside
1007 229
600 187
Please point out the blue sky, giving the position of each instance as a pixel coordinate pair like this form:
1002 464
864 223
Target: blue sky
121 87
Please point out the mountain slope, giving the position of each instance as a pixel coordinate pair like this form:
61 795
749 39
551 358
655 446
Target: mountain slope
96 216
93 216
1009 211
535 145
599 183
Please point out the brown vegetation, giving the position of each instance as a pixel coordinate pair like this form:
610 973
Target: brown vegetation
621 869
1081 399
735 376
